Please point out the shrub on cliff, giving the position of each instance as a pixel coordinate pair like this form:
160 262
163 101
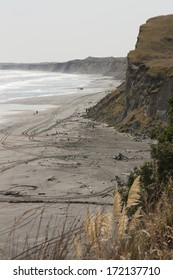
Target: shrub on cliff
156 175
162 152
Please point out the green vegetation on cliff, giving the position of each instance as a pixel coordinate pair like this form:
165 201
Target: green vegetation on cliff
157 174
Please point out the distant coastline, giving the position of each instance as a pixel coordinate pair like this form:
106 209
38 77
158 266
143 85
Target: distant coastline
109 66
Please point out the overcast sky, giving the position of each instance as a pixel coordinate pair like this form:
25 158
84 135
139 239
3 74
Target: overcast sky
61 30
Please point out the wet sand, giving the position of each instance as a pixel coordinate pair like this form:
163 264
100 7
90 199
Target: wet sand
57 160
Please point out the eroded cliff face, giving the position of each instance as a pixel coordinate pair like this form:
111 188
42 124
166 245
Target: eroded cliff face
109 66
149 76
149 81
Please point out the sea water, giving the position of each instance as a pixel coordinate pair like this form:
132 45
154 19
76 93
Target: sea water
30 84
16 84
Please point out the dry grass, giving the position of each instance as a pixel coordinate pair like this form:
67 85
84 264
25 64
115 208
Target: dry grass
155 45
110 107
155 39
121 235
135 115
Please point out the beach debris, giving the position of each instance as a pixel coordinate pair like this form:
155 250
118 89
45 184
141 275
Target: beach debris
55 133
85 156
83 186
137 139
88 109
88 187
120 156
119 181
51 178
90 190
13 193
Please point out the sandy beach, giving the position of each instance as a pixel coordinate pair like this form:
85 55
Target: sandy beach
57 160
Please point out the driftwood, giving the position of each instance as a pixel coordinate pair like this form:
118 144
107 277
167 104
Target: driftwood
120 156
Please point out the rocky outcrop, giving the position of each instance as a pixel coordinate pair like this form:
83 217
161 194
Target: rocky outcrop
109 66
149 80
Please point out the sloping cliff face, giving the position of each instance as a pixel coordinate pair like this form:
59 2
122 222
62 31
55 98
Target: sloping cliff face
149 77
149 80
110 66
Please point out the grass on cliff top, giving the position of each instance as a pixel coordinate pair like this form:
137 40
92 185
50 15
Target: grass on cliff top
154 46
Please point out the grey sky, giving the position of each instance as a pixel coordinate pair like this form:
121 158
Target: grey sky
60 30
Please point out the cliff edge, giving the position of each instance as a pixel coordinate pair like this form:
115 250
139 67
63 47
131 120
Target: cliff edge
142 101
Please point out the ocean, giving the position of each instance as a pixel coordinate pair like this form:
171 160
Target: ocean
30 84
15 84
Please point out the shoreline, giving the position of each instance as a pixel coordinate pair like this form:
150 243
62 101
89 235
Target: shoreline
59 161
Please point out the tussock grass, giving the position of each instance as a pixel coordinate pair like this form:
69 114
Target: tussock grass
128 232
